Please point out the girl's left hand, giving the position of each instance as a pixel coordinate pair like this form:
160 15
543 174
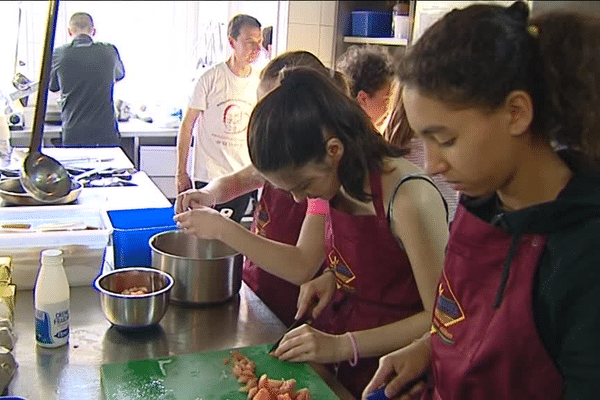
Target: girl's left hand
203 222
307 344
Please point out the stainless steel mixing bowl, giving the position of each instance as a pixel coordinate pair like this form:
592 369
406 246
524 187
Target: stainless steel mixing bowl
13 193
134 311
205 271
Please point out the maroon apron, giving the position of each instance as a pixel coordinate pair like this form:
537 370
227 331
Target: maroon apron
479 352
375 282
277 216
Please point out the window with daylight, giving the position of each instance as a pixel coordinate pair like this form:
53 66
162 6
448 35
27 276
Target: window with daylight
163 44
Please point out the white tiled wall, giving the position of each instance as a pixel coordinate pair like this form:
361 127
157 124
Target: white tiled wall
311 25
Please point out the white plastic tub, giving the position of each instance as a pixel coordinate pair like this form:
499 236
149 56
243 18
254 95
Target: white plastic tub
83 250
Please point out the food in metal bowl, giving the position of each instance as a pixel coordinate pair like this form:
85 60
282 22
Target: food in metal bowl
136 290
122 300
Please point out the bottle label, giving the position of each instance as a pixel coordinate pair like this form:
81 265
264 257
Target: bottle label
52 324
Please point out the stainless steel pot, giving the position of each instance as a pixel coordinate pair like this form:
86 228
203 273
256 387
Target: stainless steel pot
205 271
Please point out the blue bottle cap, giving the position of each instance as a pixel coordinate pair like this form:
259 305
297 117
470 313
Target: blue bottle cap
379 394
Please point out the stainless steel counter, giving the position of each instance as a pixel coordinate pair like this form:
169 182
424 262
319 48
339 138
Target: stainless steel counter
134 133
73 371
133 127
144 195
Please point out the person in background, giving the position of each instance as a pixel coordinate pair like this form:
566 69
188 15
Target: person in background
507 107
219 108
399 133
381 227
268 41
276 216
372 80
85 72
265 52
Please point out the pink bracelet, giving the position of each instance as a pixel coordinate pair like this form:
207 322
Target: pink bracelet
317 206
354 350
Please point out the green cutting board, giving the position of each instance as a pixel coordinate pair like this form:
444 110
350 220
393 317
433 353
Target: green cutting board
202 376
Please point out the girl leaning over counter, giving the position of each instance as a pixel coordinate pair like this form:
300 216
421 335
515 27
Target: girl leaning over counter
385 225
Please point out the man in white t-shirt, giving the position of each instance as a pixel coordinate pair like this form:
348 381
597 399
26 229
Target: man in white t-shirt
218 112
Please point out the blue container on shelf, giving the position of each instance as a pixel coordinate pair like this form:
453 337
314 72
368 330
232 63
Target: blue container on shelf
372 23
132 230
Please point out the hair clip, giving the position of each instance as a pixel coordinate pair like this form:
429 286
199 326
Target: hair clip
533 30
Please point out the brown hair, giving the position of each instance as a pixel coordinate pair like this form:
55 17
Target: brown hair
81 21
368 67
289 127
238 22
476 56
398 131
273 71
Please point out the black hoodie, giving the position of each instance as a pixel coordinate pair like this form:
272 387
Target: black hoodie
566 292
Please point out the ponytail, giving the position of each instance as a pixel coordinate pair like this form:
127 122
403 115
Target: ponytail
569 55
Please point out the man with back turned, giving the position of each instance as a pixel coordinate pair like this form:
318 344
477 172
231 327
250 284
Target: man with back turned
84 72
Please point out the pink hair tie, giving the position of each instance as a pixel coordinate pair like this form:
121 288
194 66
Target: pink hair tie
317 207
354 350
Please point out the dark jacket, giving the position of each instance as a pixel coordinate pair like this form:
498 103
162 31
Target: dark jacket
85 72
566 294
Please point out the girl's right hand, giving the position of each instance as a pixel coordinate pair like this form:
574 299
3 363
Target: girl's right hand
316 294
194 198
401 367
203 222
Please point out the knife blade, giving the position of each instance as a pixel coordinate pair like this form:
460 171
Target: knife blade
306 318
295 324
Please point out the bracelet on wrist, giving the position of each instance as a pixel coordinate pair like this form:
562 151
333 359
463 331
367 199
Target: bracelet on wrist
355 354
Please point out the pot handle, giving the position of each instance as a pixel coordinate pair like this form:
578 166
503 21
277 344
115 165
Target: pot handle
226 212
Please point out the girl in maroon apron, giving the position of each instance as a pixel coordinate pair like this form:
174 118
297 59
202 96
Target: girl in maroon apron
309 138
470 332
361 250
507 107
277 216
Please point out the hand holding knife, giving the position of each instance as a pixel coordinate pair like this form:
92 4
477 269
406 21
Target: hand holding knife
306 318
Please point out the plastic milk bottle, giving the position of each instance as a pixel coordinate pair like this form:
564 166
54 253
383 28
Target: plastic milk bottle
51 301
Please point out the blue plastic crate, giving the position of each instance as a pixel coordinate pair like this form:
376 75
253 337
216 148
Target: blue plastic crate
132 230
372 23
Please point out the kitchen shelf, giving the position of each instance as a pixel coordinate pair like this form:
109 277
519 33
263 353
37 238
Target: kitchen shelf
389 41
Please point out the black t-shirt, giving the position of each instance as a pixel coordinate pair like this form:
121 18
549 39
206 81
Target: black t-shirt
85 73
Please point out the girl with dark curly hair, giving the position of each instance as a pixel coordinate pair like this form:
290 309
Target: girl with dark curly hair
509 111
371 75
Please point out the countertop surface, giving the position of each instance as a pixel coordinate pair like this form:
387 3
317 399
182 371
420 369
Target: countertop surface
73 371
144 195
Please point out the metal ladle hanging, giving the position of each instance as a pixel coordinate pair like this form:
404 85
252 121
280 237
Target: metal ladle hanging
43 177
